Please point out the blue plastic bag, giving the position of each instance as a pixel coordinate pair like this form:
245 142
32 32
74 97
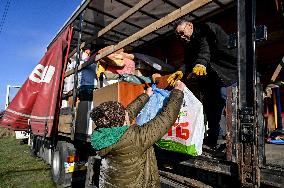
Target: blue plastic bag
153 106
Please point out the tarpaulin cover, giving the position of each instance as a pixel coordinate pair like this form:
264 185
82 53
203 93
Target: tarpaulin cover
35 103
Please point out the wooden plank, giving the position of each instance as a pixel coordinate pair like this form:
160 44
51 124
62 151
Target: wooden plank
277 71
189 7
156 25
120 19
117 21
124 16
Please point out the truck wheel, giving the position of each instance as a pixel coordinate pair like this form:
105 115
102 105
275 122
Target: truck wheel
48 155
59 156
32 146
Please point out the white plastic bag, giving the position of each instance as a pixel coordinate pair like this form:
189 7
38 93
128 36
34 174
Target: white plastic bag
186 135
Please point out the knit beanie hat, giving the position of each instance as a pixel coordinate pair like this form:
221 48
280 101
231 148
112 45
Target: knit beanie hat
108 114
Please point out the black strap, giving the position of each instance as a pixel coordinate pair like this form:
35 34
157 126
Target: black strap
101 79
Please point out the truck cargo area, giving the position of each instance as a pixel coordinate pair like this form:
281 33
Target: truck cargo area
161 43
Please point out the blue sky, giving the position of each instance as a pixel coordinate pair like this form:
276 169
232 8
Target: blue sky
29 27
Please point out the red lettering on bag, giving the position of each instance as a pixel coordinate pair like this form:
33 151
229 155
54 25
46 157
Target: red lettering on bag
170 132
182 130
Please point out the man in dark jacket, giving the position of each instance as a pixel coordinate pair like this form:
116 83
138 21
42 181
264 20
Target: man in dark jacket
206 55
128 158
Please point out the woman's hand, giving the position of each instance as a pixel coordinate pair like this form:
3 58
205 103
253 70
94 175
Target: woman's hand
149 91
180 85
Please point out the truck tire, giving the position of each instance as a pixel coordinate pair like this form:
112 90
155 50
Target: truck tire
40 147
45 151
48 155
59 156
32 146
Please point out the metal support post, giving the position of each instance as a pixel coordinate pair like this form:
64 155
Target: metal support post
248 156
78 58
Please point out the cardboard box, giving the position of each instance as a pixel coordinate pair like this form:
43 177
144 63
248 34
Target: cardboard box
122 92
162 82
64 124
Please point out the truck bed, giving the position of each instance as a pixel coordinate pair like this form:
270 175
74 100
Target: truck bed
216 171
274 154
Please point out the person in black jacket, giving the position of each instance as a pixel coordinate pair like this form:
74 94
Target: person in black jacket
206 55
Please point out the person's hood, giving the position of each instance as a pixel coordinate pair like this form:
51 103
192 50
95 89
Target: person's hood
105 137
